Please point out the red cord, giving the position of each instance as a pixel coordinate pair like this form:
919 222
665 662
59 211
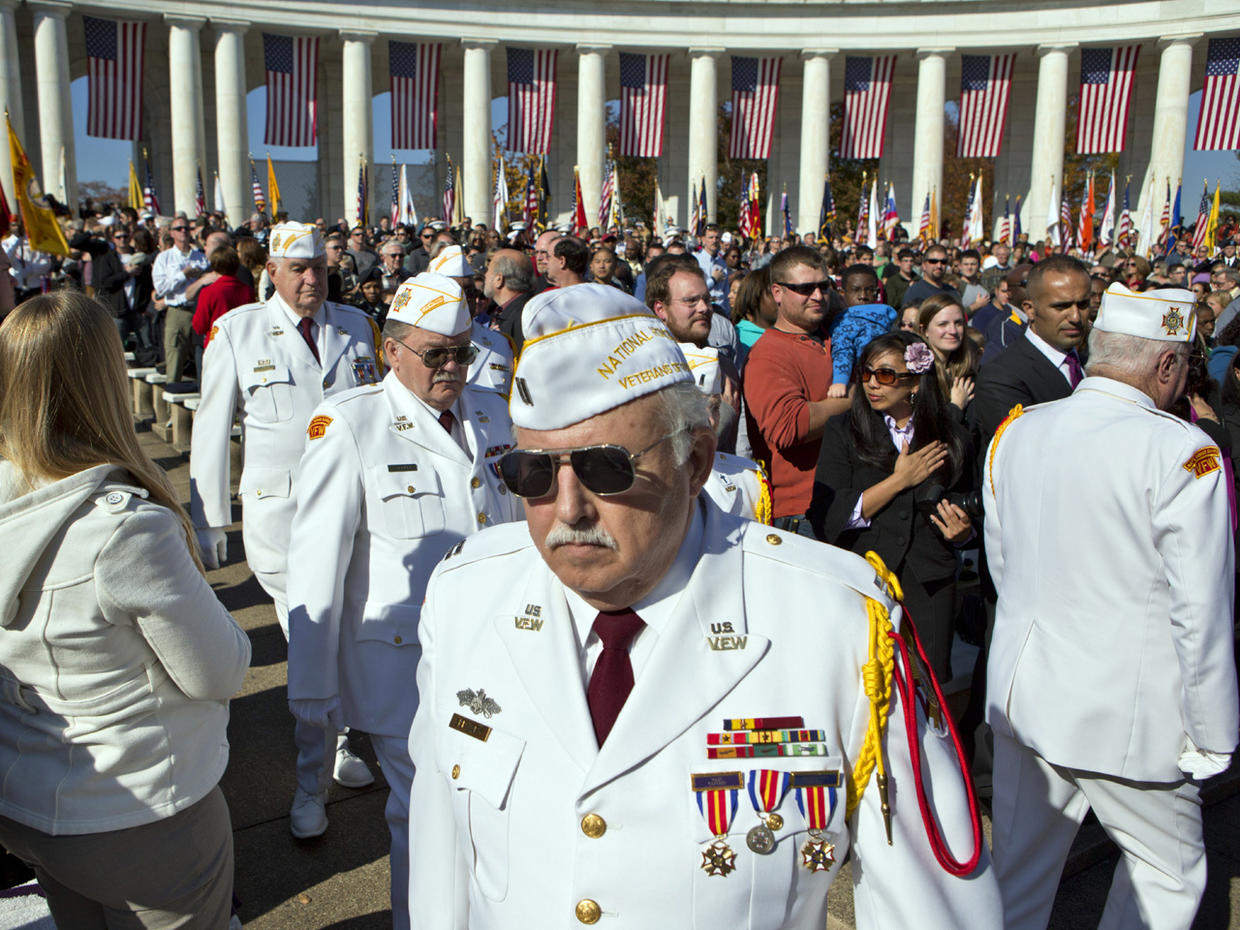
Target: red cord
938 845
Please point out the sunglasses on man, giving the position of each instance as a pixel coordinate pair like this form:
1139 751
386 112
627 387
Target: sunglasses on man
604 469
807 288
438 356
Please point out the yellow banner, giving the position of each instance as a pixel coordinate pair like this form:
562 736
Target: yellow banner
42 230
135 190
1212 223
273 189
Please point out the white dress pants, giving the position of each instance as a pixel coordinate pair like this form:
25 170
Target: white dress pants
393 755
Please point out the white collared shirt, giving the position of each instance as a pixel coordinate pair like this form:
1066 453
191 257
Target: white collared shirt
168 273
1053 355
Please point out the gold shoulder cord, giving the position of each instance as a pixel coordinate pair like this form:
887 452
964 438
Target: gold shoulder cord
762 509
378 339
994 443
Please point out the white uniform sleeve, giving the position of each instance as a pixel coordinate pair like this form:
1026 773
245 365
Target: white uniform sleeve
992 526
329 507
209 458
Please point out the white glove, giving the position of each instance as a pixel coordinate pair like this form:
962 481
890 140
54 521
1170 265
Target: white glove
1200 764
324 713
212 546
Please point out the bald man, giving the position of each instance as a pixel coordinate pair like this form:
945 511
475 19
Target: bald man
508 284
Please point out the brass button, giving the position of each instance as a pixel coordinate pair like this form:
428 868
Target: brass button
409 489
593 826
588 912
482 517
398 640
258 492
774 821
456 771
773 539
474 482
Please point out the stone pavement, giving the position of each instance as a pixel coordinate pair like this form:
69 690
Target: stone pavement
340 880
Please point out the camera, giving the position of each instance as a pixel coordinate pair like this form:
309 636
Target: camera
928 496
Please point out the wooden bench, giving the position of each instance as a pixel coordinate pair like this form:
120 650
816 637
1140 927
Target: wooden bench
143 404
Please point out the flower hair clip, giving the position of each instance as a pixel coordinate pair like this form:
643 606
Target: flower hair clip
918 358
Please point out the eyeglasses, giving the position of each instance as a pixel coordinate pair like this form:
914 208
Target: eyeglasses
604 470
438 356
884 376
693 301
807 289
933 261
180 228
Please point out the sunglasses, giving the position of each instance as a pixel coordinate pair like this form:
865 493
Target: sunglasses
180 229
807 289
439 356
604 470
933 261
884 376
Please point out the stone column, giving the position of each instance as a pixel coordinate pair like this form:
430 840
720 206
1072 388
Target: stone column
591 131
51 56
10 90
815 135
1175 71
703 123
232 130
185 95
356 133
928 132
476 122
1049 121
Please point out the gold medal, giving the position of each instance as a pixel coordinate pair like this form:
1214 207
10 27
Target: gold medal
718 858
817 854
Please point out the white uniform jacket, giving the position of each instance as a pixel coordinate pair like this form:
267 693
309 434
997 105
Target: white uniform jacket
740 487
492 369
382 493
1109 542
767 624
257 363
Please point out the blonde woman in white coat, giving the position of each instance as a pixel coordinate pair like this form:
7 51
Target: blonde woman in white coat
116 660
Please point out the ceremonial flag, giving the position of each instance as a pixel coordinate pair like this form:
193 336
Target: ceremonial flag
616 218
755 205
458 203
1052 216
826 213
1164 221
1065 220
135 188
292 64
529 213
218 194
1085 219
6 216
867 89
703 219
394 213
1176 230
38 219
977 214
150 196
544 194
1106 232
755 90
1218 123
891 216
871 228
1203 217
1145 231
923 226
1123 238
1212 222
657 220
643 102
260 202
273 189
580 223
408 213
449 193
604 199
363 195
531 99
1005 224
200 196
695 214
743 224
500 199
414 71
966 226
934 213
783 208
1016 230
985 86
1106 90
114 59
863 213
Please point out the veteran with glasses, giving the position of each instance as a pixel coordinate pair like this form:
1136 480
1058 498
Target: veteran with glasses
594 683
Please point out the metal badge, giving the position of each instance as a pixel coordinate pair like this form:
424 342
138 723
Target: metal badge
817 854
478 702
760 839
718 859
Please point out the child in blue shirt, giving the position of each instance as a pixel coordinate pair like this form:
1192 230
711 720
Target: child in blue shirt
850 332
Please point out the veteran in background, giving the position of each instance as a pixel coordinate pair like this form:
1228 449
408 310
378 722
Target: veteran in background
1112 681
269 365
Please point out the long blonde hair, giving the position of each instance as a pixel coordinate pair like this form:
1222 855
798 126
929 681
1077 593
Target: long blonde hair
965 358
64 398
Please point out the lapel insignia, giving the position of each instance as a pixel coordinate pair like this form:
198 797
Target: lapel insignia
277 331
532 620
402 423
478 702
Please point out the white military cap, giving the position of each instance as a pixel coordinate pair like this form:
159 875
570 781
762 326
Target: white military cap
451 262
1168 314
589 348
432 302
295 240
704 366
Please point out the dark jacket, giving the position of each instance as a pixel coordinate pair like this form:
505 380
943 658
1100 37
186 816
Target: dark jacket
1021 375
107 273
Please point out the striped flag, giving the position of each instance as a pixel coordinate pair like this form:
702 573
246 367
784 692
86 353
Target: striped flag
743 224
200 197
449 193
1106 91
755 205
923 226
1123 237
499 219
363 195
985 87
826 213
1065 220
1203 217
755 91
260 201
292 64
643 102
604 198
531 99
414 70
1164 221
863 213
1218 123
891 216
1106 231
114 58
1005 224
149 195
867 89
394 215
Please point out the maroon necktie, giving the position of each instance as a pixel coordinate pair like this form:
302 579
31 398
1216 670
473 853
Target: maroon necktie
1074 369
446 419
612 679
306 325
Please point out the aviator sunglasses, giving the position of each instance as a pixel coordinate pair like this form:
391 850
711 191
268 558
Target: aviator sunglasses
439 356
884 376
604 470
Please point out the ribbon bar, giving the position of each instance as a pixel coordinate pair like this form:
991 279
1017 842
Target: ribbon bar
755 737
764 723
766 751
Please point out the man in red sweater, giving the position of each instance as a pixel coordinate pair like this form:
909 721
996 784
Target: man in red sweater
222 294
785 384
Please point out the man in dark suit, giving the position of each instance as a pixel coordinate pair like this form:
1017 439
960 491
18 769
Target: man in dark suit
509 284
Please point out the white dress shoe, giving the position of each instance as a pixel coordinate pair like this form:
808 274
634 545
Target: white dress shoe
351 771
308 815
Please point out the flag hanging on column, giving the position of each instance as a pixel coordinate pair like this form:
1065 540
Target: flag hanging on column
1085 224
891 216
755 92
200 196
580 223
643 101
135 188
923 225
783 208
1123 236
260 201
414 72
1005 224
499 219
1106 231
863 213
363 195
826 212
449 193
38 219
218 194
985 87
273 189
114 61
408 213
292 64
1106 90
1218 123
149 195
531 99
867 89
1203 217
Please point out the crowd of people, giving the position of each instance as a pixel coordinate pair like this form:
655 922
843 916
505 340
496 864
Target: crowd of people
614 415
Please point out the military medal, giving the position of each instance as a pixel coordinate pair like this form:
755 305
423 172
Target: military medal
766 790
815 792
718 796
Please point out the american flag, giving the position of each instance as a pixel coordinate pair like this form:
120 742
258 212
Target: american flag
260 201
643 101
1203 217
743 224
1164 221
1005 224
292 64
604 198
923 227
363 195
395 214
826 213
531 99
114 55
966 227
755 90
867 88
414 70
149 196
985 86
863 215
1218 124
891 216
1123 237
200 197
695 215
530 213
1106 90
1065 221
449 193
499 200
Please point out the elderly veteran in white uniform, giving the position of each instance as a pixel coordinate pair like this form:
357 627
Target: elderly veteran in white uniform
736 484
1112 682
271 364
393 476
492 369
747 761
